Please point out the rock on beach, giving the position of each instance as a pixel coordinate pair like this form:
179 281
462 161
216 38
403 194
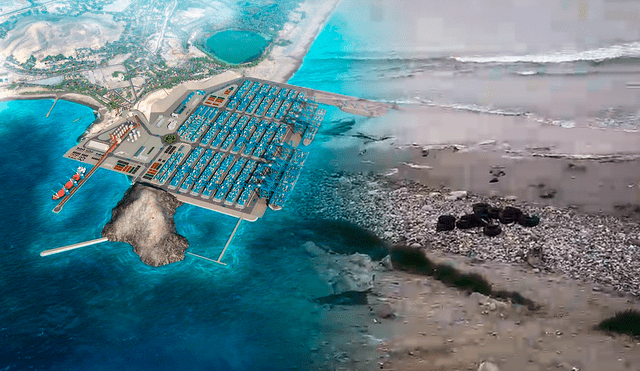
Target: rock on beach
456 195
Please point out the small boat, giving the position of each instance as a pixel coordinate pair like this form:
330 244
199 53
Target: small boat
72 182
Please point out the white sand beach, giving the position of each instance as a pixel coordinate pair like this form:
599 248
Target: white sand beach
283 61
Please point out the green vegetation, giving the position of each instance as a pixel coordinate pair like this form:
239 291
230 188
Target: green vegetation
170 138
54 58
282 42
30 63
626 322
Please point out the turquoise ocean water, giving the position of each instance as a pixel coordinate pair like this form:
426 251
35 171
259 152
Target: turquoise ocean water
100 308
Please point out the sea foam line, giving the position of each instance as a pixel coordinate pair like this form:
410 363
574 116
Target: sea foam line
596 55
416 166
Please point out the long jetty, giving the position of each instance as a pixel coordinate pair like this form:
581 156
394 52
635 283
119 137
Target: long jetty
66 198
53 105
219 260
73 247
357 106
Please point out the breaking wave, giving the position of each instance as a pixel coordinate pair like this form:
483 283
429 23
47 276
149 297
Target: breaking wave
628 53
623 51
416 166
392 171
470 107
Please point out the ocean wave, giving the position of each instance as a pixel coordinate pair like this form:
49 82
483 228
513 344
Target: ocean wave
392 171
619 117
567 124
405 101
628 50
527 73
591 71
471 107
601 158
416 166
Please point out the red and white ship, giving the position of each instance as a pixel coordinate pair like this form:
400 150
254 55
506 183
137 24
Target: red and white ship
70 183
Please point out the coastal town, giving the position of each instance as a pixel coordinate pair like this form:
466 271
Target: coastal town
130 56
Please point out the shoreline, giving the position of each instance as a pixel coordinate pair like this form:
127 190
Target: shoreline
584 274
68 96
102 113
595 182
284 61
573 242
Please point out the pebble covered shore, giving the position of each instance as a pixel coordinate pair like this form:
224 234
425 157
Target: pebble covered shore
600 248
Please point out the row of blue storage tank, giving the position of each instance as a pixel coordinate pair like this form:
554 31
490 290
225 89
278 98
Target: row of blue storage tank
234 180
263 99
197 123
289 179
167 169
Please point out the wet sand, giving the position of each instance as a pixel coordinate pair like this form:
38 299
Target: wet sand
436 327
590 169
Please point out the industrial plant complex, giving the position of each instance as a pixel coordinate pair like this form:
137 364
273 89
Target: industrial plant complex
234 148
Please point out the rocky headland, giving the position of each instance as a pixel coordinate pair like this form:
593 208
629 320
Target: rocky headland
144 219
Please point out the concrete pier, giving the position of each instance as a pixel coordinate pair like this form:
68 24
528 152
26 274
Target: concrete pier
228 242
357 106
72 247
53 105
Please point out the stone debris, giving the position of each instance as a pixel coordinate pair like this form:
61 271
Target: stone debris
492 230
386 311
496 172
509 215
595 248
469 221
456 195
488 366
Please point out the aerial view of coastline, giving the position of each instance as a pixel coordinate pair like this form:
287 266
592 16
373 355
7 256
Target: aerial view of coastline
424 185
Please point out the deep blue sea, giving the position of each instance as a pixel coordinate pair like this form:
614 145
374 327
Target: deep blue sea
101 308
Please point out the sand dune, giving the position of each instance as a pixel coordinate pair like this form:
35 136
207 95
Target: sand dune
42 38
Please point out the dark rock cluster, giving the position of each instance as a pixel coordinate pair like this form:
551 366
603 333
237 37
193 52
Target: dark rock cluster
496 172
345 298
486 216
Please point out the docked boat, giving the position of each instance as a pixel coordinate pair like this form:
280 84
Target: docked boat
72 182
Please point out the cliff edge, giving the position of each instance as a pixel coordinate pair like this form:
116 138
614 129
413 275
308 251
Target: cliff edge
144 219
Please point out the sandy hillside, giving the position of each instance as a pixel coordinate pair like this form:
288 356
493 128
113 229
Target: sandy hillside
47 37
